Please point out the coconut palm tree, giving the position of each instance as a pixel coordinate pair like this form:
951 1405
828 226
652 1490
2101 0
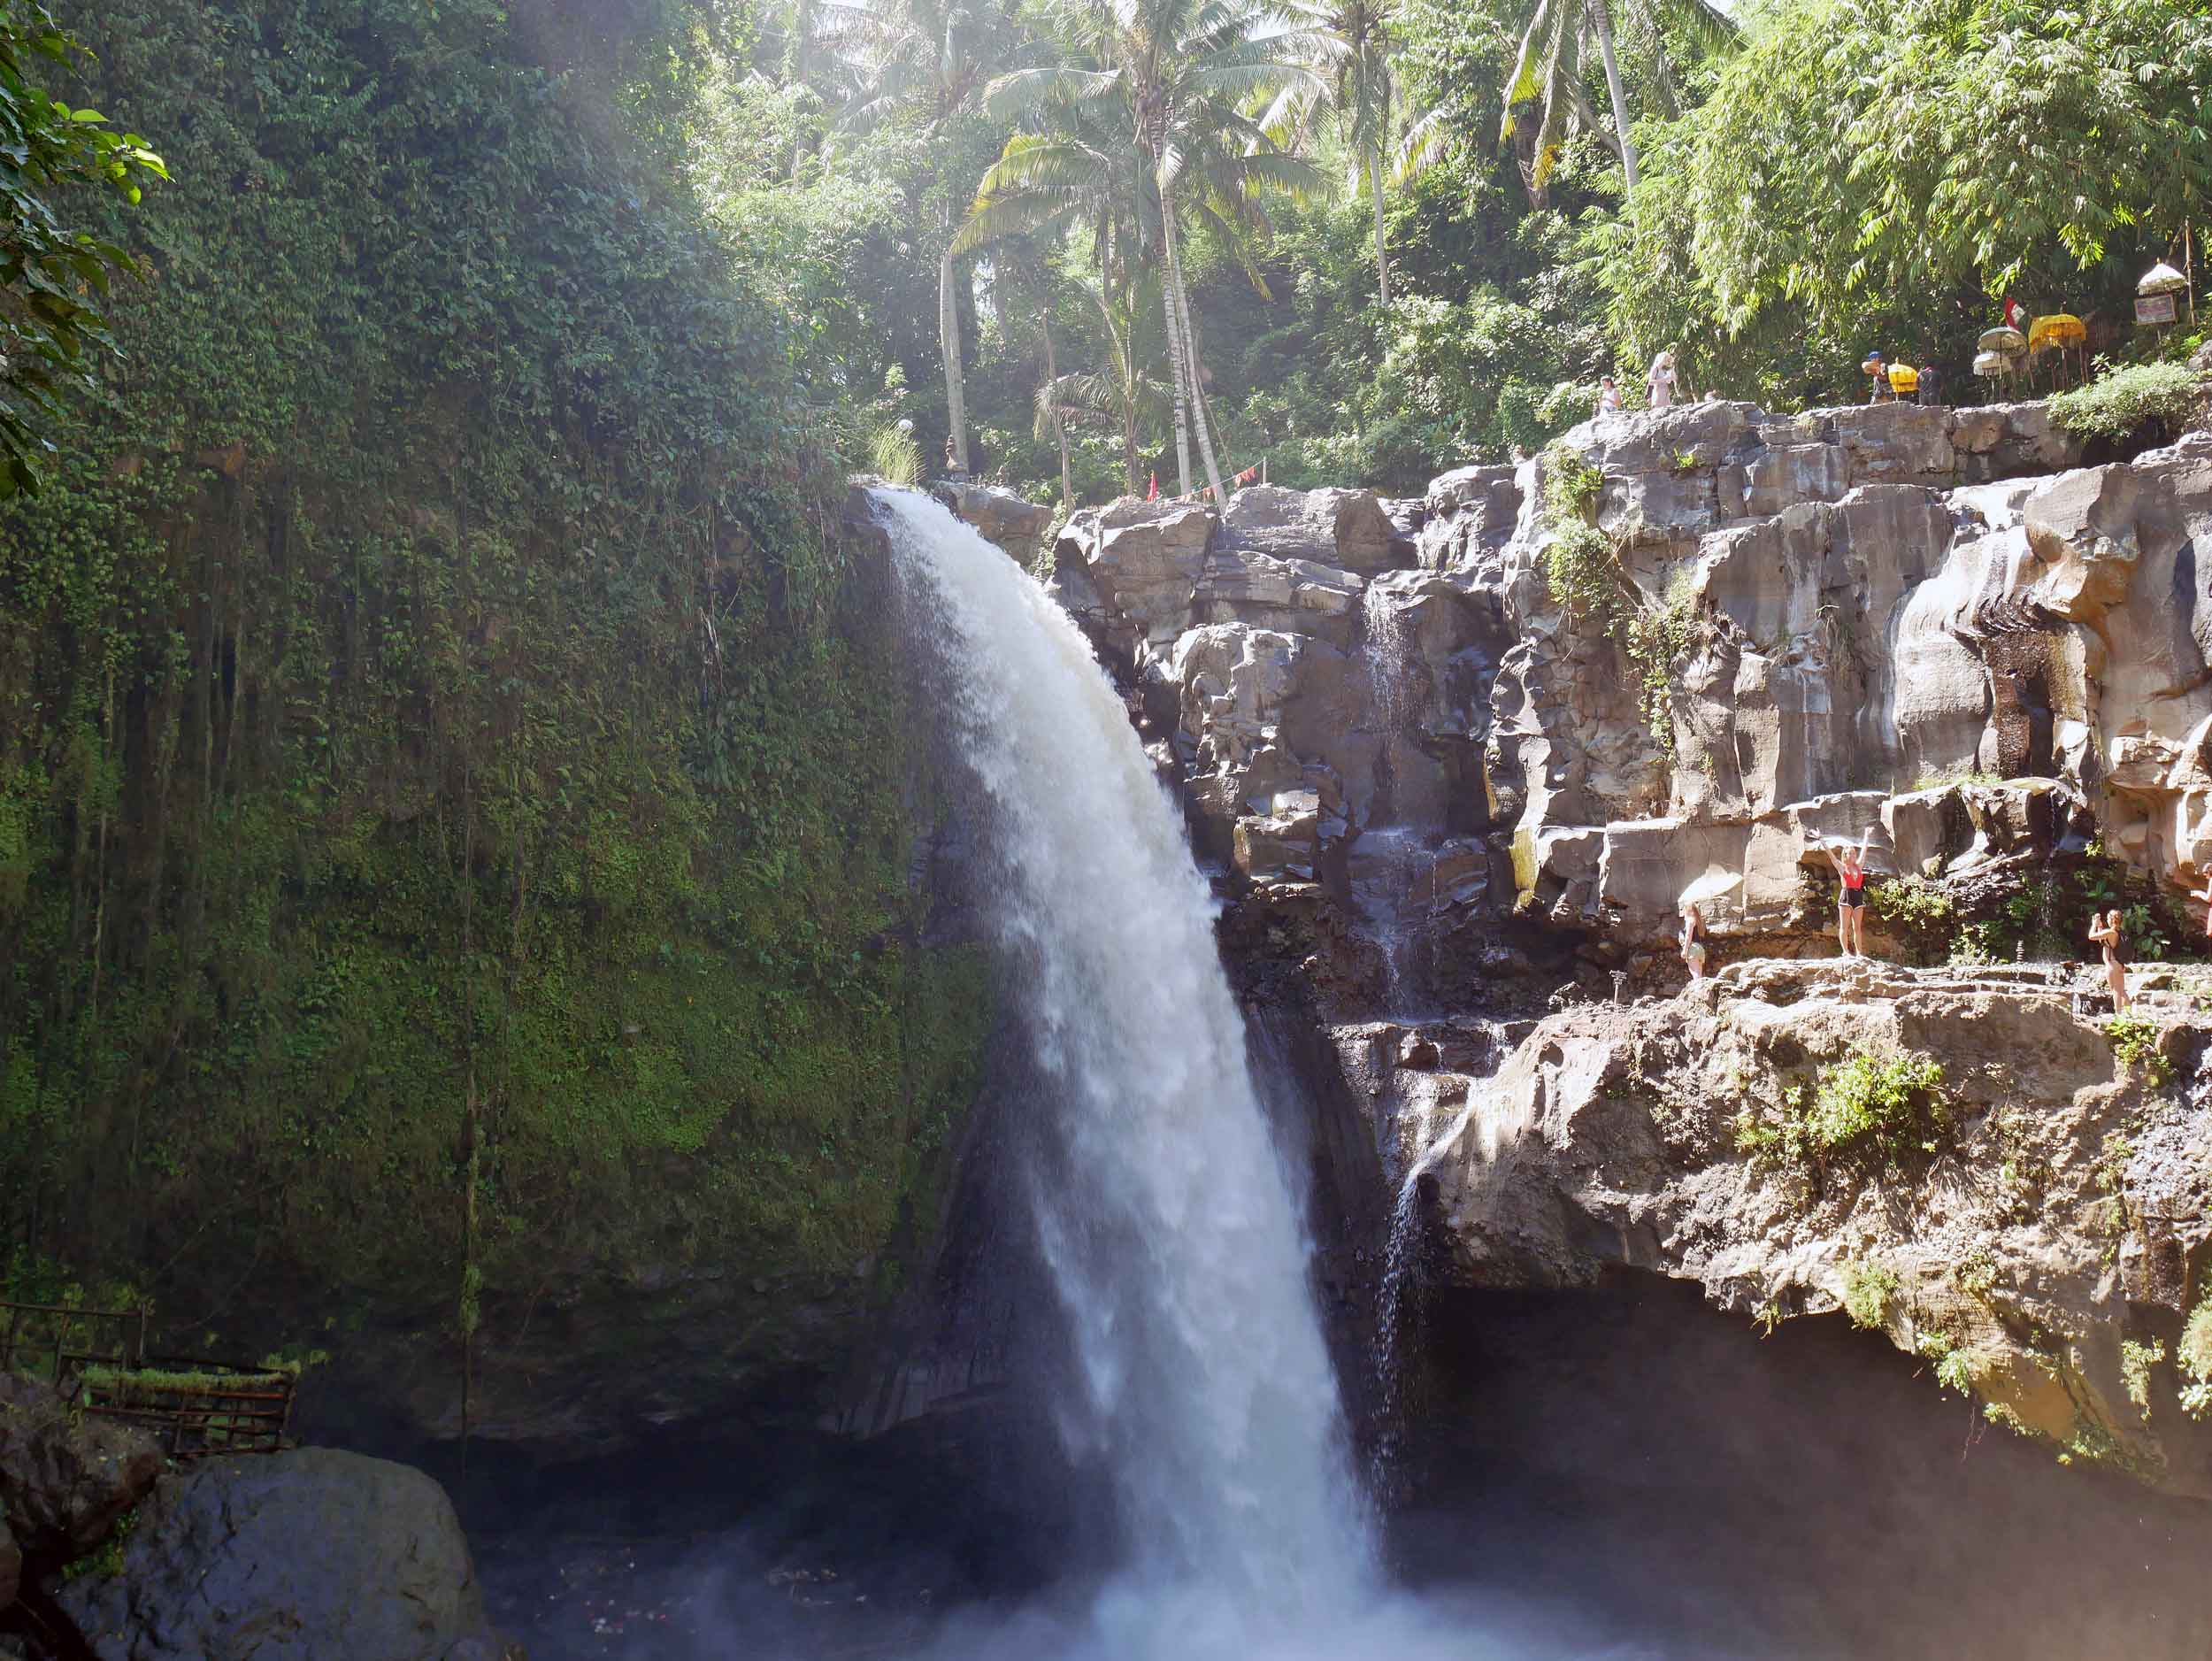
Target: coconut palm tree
1128 393
1180 78
1548 67
1351 41
925 63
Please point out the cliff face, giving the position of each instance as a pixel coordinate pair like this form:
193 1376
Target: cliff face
1823 622
465 849
2033 1224
1461 758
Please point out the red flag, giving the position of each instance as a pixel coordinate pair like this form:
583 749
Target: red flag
1153 495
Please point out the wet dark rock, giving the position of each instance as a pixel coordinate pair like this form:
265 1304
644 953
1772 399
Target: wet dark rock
294 1557
65 1478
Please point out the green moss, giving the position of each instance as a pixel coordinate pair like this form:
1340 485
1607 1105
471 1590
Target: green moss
1868 1289
457 792
1875 1109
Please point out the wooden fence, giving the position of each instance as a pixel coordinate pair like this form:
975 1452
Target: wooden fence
191 1406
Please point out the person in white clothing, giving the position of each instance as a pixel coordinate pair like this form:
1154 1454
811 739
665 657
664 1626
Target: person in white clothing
1660 383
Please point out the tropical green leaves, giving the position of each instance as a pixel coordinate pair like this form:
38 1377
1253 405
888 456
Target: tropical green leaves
53 278
1865 152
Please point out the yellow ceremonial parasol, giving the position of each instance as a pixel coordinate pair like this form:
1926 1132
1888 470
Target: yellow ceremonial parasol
2056 333
2060 329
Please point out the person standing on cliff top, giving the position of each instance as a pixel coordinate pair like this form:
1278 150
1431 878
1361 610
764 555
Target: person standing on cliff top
1608 397
1659 384
1874 367
1850 864
2105 930
1694 933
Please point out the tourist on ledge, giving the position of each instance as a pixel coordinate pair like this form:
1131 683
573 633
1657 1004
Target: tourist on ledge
1877 371
2105 930
1850 864
1608 396
1659 384
1694 933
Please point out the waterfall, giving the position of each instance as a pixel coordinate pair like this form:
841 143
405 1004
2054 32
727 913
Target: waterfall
1168 1224
1389 658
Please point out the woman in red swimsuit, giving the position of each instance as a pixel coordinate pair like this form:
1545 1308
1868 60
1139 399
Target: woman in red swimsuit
1850 864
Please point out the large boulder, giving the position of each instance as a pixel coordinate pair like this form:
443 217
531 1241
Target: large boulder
1471 513
2048 1213
293 1557
1238 585
2082 527
1142 560
66 1478
1897 443
1014 523
1349 529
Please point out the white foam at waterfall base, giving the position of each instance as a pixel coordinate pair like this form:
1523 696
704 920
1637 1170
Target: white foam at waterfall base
1169 1228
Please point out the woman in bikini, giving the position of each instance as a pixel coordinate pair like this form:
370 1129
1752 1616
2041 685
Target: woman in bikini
1694 939
1850 864
2105 930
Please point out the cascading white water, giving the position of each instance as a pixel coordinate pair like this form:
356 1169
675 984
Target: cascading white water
1389 658
1173 1235
1170 1228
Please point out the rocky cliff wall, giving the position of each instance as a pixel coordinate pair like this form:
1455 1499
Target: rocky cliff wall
1458 759
1937 623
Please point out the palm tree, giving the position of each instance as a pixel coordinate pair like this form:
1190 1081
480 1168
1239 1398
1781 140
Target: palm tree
1128 392
1549 68
924 62
1069 175
1179 78
1352 43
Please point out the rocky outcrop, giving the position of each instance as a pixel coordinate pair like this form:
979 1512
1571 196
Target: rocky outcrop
65 1477
293 1557
1014 522
2038 1238
1434 787
1824 623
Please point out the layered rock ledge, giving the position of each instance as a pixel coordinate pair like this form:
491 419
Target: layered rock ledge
1929 621
2040 1240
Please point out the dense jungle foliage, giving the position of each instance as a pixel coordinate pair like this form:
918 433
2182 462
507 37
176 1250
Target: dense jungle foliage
457 800
1406 231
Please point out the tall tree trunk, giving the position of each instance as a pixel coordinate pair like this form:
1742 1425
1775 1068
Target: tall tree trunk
1174 343
1113 275
1602 17
1052 380
948 335
1180 319
1382 255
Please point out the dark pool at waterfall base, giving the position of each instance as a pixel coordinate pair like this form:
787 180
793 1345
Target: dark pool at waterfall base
1620 1473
